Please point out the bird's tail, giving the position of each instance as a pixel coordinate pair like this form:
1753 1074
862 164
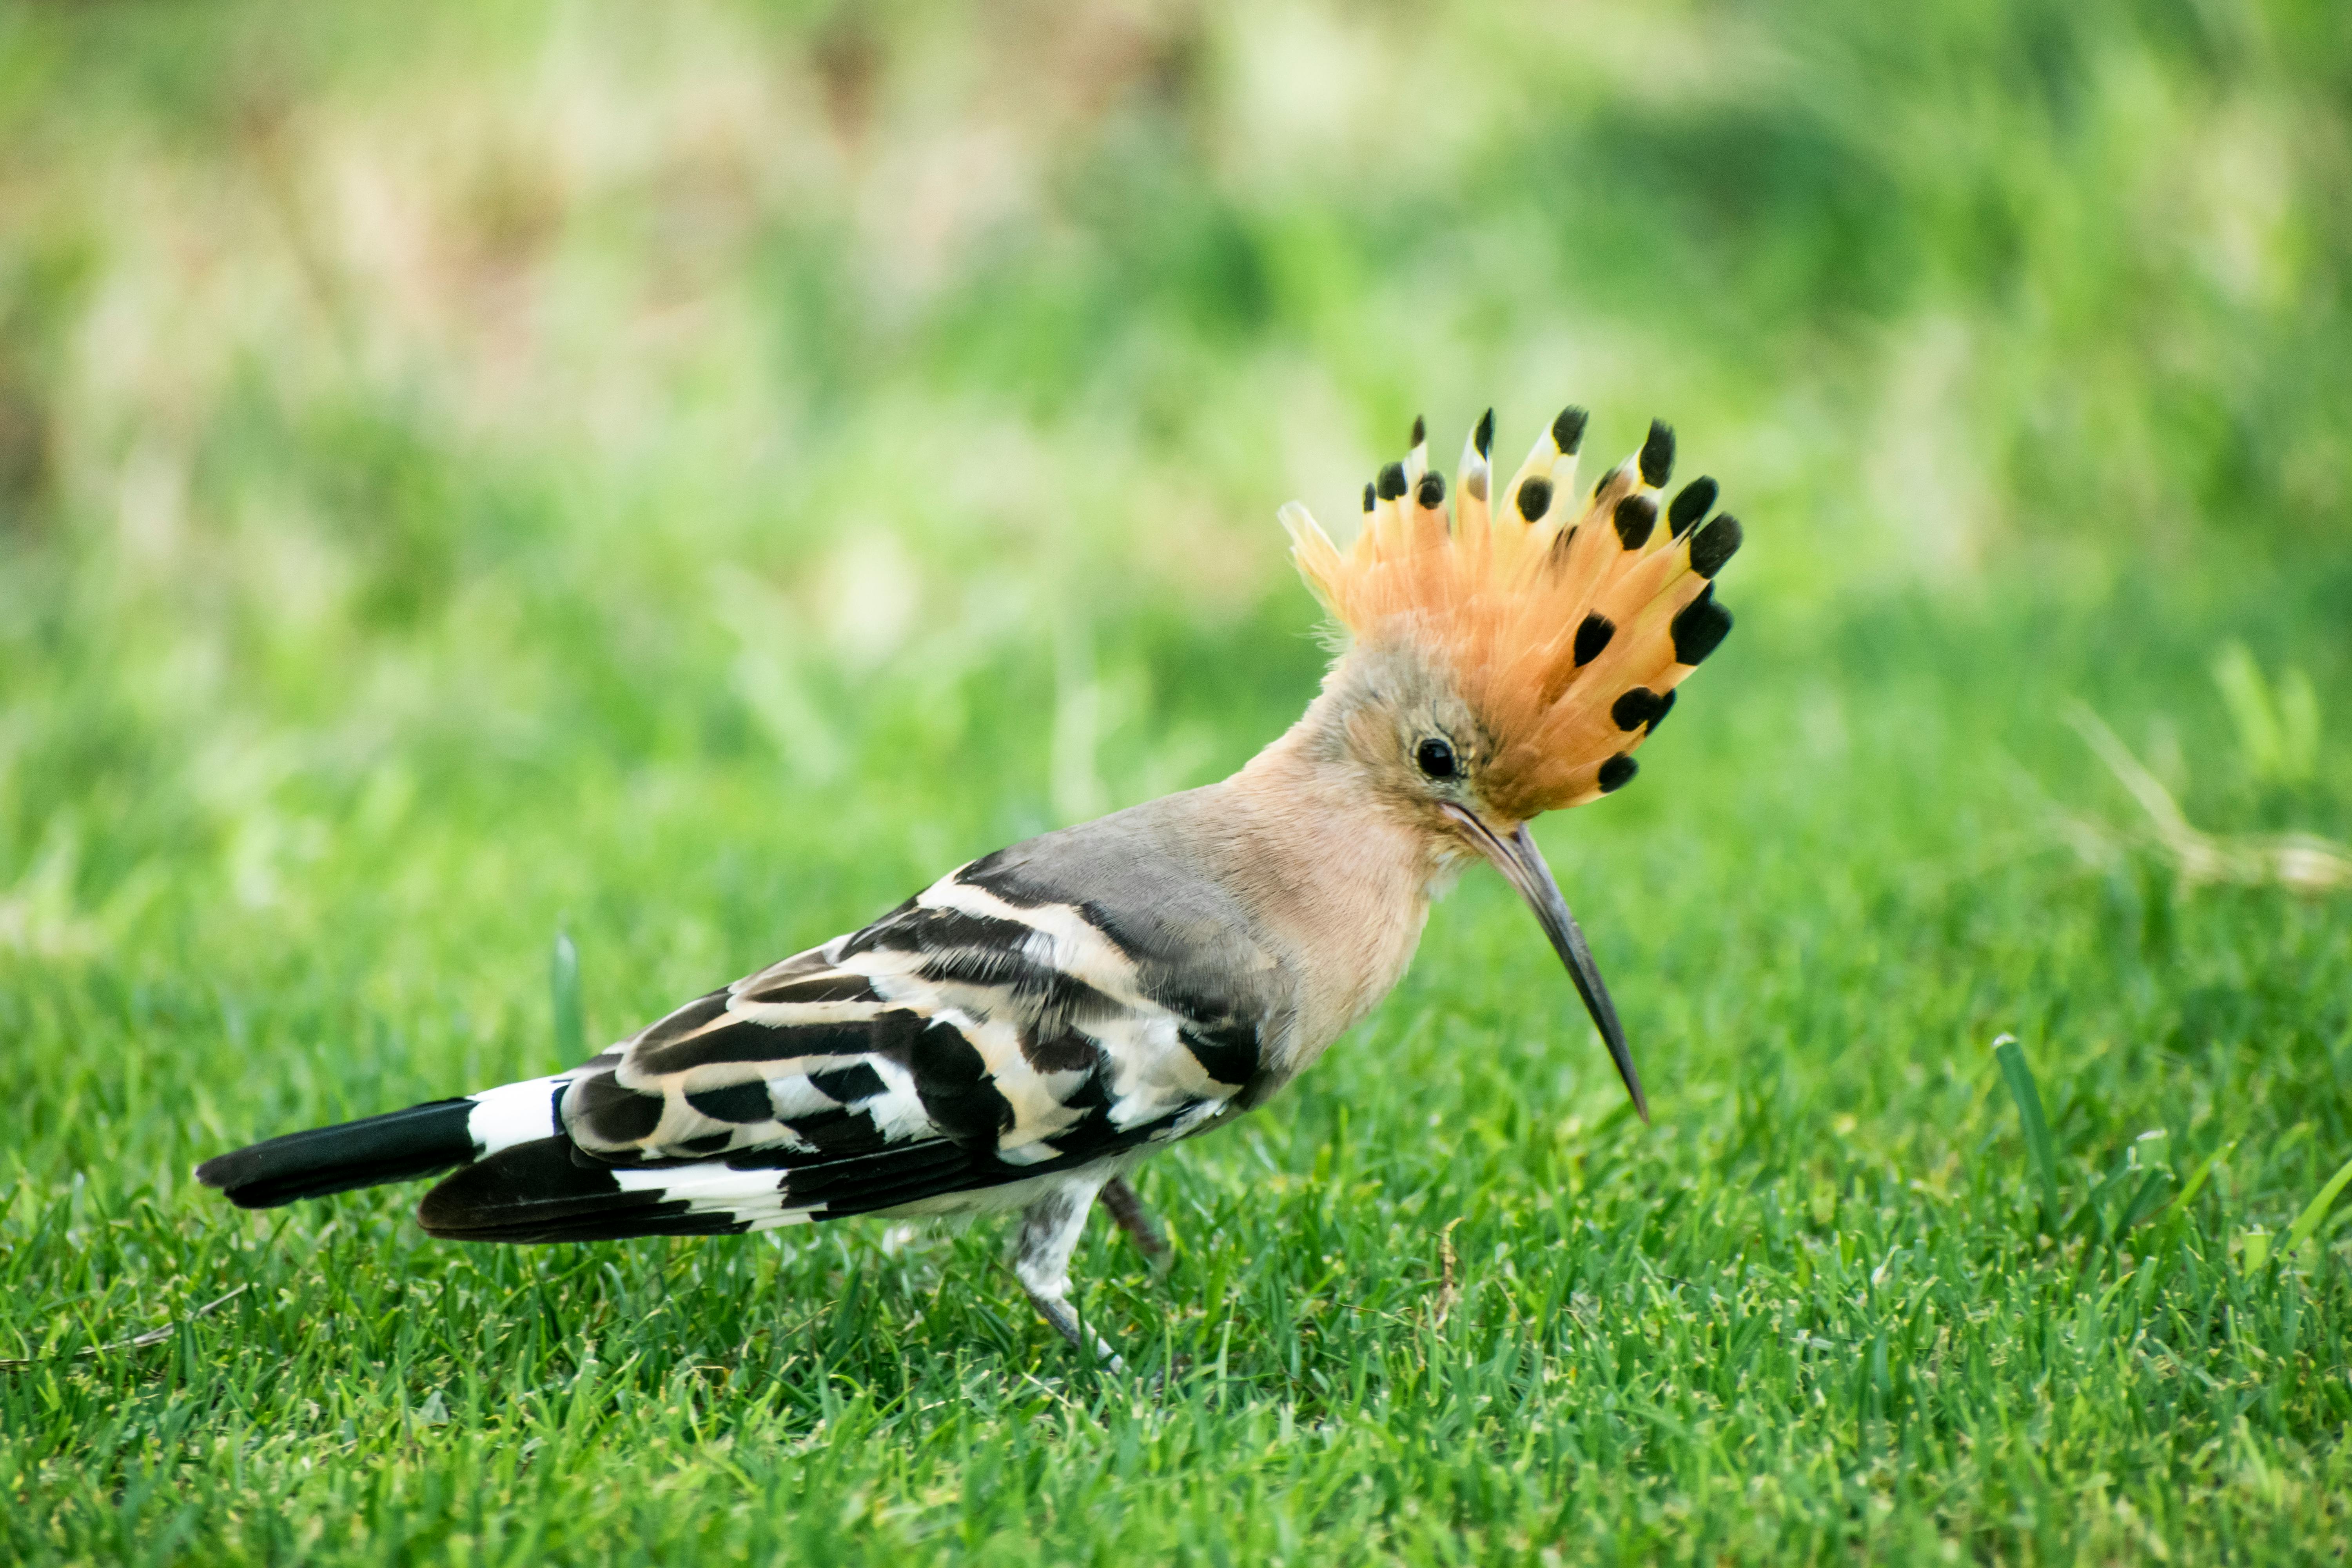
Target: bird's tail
398 1147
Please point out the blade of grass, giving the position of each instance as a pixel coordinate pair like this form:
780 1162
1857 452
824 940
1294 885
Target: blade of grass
2145 1202
2038 1146
2306 1224
2203 1174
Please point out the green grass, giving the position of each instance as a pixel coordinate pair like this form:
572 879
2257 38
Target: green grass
1819 1308
677 485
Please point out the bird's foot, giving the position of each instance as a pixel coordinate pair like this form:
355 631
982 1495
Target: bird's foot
1056 1310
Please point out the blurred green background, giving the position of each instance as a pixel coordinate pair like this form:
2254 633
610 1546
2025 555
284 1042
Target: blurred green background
687 475
412 416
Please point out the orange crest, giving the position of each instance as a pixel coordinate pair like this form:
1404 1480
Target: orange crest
1566 631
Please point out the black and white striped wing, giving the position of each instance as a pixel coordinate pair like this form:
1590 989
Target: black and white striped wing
964 1041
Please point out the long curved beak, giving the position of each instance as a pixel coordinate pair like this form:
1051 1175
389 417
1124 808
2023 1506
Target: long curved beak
1522 865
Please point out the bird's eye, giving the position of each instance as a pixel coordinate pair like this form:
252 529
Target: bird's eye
1436 760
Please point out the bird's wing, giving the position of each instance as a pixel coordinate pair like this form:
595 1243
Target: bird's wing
977 1035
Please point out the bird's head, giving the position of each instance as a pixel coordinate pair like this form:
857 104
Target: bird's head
1507 648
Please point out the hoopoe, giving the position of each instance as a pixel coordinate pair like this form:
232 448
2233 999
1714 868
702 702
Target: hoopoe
1024 1031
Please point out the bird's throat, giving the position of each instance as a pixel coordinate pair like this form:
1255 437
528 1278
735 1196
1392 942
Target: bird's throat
1339 878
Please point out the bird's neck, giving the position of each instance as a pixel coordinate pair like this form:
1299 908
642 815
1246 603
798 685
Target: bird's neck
1336 874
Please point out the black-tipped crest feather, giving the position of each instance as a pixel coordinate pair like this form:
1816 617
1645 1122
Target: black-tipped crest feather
1658 455
1635 519
1535 499
1568 430
1691 505
1716 543
1699 628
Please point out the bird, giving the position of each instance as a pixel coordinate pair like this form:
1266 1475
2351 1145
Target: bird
1020 1034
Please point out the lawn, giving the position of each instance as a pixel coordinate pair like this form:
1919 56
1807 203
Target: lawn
663 486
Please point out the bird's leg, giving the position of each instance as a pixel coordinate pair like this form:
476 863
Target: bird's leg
1050 1228
1127 1209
